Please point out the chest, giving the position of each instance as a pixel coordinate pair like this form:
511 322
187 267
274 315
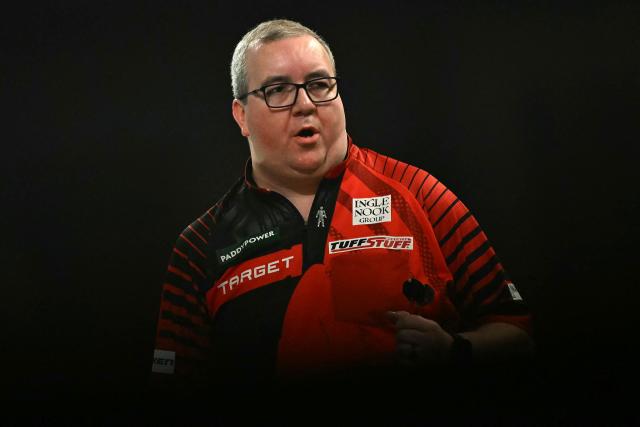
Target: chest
367 236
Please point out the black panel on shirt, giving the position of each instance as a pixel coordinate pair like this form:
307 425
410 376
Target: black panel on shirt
246 212
246 330
246 334
326 197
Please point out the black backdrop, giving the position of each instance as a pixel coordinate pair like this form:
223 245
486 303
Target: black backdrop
117 133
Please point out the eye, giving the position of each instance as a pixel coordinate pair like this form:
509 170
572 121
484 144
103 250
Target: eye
275 89
318 85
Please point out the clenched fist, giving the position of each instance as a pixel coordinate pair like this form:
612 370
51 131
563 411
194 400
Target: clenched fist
419 341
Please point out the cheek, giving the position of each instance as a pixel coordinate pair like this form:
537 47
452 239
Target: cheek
256 126
335 119
266 123
337 109
267 131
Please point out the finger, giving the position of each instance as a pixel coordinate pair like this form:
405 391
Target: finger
394 316
413 321
411 337
405 350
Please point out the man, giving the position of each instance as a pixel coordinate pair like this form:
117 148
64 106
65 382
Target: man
326 259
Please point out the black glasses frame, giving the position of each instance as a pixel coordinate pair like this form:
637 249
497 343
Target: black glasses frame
298 86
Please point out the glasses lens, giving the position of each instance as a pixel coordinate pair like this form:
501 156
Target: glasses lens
280 95
324 89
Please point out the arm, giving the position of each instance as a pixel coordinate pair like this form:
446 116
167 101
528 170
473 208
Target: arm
182 338
494 317
422 341
493 342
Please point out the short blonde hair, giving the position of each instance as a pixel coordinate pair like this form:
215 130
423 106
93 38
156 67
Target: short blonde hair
265 32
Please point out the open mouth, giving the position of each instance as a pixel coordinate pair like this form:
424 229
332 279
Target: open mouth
306 133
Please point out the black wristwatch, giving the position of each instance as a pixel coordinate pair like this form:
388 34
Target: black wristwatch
461 352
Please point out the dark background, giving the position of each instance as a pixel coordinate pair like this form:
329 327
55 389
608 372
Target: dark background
117 133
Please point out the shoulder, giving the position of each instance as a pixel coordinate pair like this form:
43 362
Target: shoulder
195 237
424 186
410 176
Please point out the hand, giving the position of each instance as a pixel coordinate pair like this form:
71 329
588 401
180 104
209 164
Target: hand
419 341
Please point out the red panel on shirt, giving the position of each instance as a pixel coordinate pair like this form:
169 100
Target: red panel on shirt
253 274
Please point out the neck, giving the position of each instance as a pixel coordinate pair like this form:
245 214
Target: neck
287 186
294 184
300 192
299 188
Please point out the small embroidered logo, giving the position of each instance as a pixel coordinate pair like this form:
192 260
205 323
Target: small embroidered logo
515 295
321 215
164 361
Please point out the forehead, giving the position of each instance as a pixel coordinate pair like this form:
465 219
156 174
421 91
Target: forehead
292 57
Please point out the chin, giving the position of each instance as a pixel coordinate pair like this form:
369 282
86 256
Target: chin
309 168
309 164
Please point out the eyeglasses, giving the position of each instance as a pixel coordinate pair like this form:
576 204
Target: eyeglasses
281 95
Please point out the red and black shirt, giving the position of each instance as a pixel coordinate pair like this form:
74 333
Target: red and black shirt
254 293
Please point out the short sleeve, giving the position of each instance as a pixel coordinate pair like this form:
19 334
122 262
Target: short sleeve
183 341
481 289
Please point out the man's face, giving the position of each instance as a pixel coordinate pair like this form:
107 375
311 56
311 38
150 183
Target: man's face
277 148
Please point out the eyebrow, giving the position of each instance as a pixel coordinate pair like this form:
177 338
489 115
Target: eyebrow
287 79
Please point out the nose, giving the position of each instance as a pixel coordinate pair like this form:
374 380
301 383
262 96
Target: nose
303 105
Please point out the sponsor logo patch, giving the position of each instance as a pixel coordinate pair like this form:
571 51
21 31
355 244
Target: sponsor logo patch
230 253
515 295
164 361
264 270
401 243
255 273
371 210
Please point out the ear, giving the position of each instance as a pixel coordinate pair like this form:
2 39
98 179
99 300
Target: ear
237 109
